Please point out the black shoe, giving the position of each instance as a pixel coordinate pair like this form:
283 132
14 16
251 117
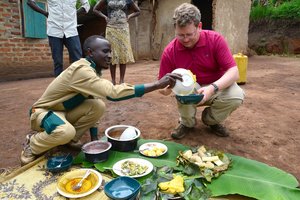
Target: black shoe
180 131
219 130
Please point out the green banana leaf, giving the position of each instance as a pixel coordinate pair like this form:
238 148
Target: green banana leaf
168 159
257 180
246 177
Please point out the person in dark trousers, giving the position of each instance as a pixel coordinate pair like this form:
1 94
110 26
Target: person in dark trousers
62 29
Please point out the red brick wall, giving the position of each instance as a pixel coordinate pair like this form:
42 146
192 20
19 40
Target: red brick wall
21 57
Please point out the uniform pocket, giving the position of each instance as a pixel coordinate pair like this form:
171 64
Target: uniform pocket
50 122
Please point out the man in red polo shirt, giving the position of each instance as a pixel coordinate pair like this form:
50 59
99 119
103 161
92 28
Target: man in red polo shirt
206 54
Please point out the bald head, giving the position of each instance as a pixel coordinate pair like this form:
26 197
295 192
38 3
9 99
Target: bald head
91 43
98 50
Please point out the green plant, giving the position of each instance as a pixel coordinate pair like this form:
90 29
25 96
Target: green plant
275 9
92 3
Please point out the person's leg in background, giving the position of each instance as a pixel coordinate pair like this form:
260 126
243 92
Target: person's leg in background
122 72
113 73
56 45
74 48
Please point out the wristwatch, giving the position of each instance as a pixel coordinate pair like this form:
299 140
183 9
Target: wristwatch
216 88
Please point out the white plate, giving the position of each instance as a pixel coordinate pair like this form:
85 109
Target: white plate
151 145
79 173
118 170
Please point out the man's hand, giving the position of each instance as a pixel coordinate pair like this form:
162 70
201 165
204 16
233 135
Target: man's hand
169 81
208 91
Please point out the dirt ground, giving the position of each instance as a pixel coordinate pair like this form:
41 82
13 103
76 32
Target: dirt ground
265 128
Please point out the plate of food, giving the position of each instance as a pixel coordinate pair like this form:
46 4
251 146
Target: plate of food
133 167
89 185
153 149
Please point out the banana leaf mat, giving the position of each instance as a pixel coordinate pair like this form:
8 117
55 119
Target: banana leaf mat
246 178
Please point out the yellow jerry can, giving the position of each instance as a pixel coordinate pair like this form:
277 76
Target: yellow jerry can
242 63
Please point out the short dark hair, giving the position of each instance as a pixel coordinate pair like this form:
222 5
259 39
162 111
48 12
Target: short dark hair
90 41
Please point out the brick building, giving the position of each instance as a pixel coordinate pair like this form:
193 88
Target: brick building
25 53
22 55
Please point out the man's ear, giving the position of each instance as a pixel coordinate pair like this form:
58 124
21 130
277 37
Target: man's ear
89 52
200 25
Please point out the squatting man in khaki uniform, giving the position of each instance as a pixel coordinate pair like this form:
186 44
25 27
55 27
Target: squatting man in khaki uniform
73 102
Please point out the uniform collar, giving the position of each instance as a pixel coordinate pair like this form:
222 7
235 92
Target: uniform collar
93 65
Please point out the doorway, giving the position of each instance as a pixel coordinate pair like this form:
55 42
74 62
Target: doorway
205 7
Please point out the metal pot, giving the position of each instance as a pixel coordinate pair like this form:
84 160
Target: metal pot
113 134
96 151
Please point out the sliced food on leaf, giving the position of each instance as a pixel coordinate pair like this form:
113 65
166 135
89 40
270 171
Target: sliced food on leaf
209 162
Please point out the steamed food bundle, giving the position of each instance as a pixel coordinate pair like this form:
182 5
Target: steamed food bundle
210 162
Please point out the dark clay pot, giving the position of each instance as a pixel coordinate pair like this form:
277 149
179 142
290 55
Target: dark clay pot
96 151
113 134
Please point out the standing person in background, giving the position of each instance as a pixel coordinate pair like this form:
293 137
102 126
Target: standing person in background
207 55
62 28
117 32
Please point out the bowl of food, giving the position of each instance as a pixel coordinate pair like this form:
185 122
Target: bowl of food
187 85
66 183
59 163
122 137
96 151
122 188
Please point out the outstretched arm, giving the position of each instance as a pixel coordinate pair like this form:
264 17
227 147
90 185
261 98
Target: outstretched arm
35 7
168 80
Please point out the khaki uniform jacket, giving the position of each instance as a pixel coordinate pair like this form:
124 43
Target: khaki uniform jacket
79 82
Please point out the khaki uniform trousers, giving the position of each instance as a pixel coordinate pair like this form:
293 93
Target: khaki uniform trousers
77 122
220 106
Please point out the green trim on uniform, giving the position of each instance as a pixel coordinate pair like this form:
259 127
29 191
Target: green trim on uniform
50 122
73 102
139 90
93 65
120 99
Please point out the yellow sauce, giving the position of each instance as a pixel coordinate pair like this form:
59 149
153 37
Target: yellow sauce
86 186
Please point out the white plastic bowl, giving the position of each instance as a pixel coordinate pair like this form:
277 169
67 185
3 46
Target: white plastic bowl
128 133
187 85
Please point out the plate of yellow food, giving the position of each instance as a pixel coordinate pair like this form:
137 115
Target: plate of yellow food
66 183
153 149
